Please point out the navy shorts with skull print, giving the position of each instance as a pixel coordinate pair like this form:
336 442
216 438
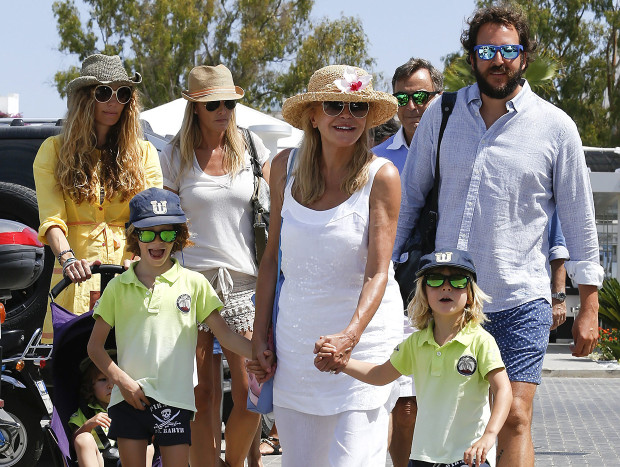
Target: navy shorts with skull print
169 425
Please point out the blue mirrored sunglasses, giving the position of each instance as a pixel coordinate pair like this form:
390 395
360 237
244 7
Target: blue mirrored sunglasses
487 51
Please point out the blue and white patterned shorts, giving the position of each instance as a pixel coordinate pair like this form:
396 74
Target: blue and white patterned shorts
522 335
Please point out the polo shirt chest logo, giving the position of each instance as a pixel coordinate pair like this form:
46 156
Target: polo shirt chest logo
159 207
466 365
184 303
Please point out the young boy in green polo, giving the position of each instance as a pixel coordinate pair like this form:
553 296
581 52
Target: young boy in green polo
155 307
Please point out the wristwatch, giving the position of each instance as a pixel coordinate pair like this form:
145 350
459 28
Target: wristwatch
559 296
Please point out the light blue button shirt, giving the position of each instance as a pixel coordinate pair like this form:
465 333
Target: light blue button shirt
394 149
499 188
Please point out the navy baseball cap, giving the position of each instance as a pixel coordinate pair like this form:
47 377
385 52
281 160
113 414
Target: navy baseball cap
155 206
447 257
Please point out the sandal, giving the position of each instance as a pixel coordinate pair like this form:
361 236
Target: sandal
270 442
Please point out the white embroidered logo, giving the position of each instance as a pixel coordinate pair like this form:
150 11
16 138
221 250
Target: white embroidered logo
159 207
443 257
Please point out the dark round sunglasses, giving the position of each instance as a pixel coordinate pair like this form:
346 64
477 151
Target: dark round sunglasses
103 93
418 97
335 108
457 281
147 236
214 105
508 51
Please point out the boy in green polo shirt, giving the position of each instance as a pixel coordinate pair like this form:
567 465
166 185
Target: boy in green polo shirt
453 361
155 307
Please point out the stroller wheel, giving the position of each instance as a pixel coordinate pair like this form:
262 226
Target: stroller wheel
23 444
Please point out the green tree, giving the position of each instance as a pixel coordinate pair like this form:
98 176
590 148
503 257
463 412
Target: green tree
258 40
581 38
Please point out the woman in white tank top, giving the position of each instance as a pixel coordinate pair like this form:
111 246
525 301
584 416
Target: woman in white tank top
339 211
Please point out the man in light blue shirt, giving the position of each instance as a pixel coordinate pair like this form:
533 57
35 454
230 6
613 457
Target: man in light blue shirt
508 160
415 85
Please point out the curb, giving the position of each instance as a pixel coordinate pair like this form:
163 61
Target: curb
602 373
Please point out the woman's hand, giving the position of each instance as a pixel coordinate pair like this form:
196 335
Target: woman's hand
101 419
127 262
79 271
333 352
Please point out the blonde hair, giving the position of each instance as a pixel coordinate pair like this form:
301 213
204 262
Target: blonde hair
309 184
118 168
420 313
189 138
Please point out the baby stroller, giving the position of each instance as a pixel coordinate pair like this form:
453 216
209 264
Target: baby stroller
71 335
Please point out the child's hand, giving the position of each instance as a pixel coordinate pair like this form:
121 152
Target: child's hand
101 419
323 350
134 395
479 450
254 367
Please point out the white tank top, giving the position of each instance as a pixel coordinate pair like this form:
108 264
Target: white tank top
323 261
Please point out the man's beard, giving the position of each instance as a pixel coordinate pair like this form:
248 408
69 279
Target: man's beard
501 92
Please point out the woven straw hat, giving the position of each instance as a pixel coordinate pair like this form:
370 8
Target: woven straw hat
341 83
102 69
211 83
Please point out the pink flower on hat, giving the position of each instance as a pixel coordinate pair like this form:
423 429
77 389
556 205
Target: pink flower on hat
351 82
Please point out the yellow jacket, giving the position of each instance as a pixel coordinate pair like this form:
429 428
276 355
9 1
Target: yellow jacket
94 231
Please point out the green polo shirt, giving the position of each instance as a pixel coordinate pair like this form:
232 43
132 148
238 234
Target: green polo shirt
156 331
78 419
451 389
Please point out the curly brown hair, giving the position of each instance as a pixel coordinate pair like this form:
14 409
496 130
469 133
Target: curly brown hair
182 240
507 14
120 167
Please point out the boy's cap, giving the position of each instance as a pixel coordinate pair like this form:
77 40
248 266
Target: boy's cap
447 257
155 206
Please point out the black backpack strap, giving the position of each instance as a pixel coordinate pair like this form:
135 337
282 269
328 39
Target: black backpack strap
448 99
89 413
249 142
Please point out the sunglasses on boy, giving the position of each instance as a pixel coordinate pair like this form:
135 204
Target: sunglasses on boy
103 93
418 97
335 108
457 281
214 105
487 51
147 236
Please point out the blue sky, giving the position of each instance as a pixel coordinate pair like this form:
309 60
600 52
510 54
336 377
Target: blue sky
396 30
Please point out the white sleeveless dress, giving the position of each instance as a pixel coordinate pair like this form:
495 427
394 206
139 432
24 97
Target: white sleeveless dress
324 256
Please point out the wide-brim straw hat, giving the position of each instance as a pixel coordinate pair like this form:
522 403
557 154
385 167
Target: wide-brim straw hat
211 83
102 69
341 83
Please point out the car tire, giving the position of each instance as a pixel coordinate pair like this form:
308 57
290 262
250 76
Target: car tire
26 308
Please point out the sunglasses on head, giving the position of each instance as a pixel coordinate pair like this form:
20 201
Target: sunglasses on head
214 105
147 236
418 97
457 281
103 93
335 108
487 52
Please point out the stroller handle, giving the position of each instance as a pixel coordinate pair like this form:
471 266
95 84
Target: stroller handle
107 271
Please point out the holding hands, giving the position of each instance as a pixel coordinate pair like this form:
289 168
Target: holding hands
262 368
333 352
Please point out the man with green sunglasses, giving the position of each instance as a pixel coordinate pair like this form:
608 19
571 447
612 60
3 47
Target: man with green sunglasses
415 84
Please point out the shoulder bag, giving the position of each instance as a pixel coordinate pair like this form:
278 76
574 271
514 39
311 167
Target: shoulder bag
422 239
260 200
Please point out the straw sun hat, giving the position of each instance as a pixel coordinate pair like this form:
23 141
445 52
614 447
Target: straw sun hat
341 83
102 69
211 83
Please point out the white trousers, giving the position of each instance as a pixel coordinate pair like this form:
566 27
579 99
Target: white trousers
356 438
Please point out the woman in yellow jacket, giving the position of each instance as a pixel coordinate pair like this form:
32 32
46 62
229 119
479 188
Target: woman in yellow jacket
86 176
